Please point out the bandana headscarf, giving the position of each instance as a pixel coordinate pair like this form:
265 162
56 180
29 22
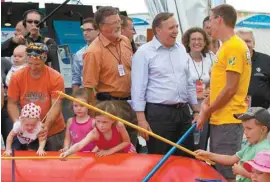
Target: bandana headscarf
31 111
37 51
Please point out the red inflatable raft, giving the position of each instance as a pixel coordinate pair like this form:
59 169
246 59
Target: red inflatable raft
114 168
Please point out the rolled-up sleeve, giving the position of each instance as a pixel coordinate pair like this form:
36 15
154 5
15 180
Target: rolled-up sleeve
139 80
191 89
76 71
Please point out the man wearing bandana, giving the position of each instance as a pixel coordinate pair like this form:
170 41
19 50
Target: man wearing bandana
38 83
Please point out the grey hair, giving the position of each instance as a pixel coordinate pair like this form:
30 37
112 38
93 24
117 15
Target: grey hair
245 30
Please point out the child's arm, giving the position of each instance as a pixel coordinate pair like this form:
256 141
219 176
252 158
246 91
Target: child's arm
125 141
10 138
91 136
239 170
227 160
67 139
95 149
42 144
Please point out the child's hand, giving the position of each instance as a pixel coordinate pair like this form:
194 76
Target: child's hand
7 153
41 152
203 153
238 169
102 153
64 155
63 149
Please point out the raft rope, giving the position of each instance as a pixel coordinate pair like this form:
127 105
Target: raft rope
42 121
13 166
37 157
135 127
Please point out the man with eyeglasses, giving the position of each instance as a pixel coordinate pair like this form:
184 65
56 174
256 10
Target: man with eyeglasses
230 77
107 65
89 33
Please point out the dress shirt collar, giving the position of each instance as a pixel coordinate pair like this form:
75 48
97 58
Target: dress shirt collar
157 44
106 41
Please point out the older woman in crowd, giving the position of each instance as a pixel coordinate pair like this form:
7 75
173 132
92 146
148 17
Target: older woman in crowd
200 62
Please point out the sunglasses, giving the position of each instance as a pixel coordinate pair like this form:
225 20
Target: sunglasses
33 21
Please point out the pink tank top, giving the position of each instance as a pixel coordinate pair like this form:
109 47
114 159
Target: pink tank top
78 131
104 144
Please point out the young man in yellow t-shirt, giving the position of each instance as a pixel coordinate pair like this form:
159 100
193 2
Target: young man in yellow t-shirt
229 86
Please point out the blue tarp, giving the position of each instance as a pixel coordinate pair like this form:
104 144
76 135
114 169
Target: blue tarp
139 21
256 21
69 32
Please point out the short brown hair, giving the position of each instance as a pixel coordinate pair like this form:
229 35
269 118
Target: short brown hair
205 20
125 20
90 20
186 39
102 13
159 18
227 12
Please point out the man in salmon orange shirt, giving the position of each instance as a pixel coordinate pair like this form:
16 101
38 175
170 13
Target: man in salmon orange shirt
107 66
37 83
230 77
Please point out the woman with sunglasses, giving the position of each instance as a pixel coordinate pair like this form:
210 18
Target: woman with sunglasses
30 23
196 42
32 19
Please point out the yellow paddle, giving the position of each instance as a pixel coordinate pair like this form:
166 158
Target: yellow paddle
135 127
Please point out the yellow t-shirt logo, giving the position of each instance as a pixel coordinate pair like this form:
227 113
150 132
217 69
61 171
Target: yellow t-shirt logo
232 61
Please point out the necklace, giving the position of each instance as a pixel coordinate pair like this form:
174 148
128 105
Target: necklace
199 76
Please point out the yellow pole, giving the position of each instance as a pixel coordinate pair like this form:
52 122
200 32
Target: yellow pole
37 157
135 127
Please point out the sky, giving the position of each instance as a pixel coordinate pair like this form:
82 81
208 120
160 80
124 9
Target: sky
138 6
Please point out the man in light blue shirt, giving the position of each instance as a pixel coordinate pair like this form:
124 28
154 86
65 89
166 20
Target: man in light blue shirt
161 86
90 33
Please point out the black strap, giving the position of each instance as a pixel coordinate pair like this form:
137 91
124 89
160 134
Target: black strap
119 54
106 96
196 68
40 39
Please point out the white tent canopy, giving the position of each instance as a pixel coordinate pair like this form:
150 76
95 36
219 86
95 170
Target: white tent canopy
188 13
138 6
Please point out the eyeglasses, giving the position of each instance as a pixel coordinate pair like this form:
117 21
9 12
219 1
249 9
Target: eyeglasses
33 21
199 40
88 30
114 23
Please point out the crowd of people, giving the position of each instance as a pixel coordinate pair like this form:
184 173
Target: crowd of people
213 77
